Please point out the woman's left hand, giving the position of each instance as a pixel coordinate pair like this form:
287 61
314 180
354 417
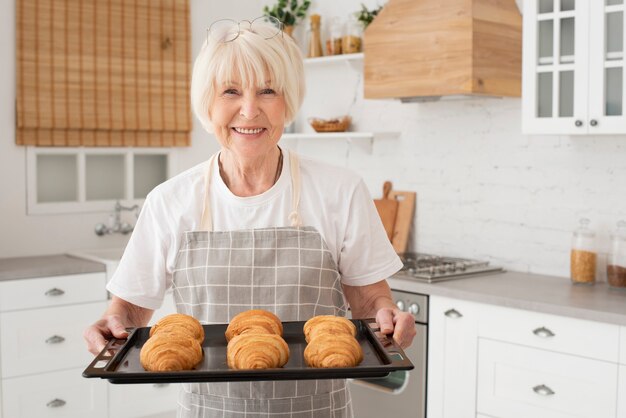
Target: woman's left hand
401 324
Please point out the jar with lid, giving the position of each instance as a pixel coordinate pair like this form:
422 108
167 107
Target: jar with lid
583 256
333 41
616 266
315 37
351 41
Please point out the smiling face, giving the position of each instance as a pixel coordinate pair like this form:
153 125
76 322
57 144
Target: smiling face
248 121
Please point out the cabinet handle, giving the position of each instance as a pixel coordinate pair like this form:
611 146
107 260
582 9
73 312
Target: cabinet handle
543 390
453 313
578 123
55 292
160 385
56 403
593 122
55 339
543 332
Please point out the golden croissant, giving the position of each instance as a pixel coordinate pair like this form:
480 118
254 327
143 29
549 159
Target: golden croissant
333 350
180 323
257 351
170 351
254 321
328 324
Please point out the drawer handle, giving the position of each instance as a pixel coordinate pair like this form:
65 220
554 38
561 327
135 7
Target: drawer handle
453 313
56 403
160 385
543 332
55 292
543 390
55 339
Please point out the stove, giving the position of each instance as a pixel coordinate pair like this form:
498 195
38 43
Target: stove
433 268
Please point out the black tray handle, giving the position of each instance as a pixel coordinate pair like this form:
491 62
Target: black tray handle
108 356
388 346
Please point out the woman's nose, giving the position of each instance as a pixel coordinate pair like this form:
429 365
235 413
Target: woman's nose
249 108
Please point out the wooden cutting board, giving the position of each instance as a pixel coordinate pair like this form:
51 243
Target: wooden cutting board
404 219
387 209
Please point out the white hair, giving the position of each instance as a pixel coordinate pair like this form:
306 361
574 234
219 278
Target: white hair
253 61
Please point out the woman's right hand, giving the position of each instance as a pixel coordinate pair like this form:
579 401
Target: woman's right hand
97 335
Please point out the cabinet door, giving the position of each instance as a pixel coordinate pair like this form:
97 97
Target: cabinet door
555 66
145 400
607 67
452 350
621 393
61 394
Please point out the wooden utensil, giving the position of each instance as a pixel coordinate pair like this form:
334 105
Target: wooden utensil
387 209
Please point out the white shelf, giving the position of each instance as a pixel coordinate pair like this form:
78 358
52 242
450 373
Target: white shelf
335 58
342 135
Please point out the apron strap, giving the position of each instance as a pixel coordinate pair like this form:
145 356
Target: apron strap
206 223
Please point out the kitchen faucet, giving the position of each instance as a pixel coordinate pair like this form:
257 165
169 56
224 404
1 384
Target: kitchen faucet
115 221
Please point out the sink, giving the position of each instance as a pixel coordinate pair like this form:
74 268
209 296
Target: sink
110 257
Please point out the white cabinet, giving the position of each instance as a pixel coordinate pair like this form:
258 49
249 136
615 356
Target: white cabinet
42 353
497 362
515 381
574 67
452 336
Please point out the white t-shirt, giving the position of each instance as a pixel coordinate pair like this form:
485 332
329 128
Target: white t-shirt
334 200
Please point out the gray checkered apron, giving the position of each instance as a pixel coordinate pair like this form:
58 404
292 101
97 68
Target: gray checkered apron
286 270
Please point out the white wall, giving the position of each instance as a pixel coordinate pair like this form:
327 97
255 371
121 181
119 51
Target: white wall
484 189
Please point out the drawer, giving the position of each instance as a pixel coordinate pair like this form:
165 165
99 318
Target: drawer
621 393
61 394
43 340
622 345
131 401
520 382
551 332
52 291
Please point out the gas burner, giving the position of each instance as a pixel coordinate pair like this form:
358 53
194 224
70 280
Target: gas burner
431 268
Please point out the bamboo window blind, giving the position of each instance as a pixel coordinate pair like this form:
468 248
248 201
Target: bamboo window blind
103 73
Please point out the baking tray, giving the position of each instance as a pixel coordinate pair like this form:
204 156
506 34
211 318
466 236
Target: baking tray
119 360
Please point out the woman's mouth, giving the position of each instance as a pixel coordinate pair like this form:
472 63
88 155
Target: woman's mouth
248 131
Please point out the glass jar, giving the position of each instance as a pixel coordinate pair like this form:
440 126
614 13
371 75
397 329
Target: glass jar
335 33
616 266
315 37
351 41
583 256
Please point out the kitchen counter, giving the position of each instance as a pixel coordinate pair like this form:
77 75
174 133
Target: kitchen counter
532 292
46 266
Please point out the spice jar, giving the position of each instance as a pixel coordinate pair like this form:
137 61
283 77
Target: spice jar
351 41
616 267
583 256
333 42
315 37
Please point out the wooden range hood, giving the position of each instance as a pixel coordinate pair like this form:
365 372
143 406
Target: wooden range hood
423 49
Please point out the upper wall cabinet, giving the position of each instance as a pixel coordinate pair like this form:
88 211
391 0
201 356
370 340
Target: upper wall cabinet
573 67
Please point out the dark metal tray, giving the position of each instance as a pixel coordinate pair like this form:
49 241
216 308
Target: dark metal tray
119 360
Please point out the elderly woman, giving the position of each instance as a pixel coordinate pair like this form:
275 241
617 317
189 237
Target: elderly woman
255 226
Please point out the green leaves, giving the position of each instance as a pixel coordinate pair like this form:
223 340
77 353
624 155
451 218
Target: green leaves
366 16
289 12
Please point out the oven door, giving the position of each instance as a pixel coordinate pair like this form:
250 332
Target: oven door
401 393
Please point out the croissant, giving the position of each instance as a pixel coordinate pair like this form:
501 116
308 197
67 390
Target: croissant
180 323
254 321
170 351
333 350
328 324
257 351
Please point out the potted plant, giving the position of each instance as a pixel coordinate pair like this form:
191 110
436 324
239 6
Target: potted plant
290 12
366 16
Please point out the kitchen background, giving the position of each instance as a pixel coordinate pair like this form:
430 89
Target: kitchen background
484 190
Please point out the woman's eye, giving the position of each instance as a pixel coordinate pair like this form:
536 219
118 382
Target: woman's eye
268 91
230 91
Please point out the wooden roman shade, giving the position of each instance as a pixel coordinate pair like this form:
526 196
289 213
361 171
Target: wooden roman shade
103 72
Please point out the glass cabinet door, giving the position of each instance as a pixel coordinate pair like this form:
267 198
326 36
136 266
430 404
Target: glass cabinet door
555 63
607 67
